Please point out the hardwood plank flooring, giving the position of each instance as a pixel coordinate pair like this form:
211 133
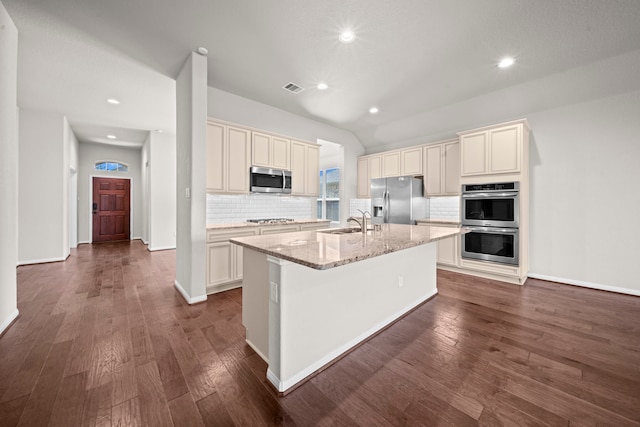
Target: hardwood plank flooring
104 339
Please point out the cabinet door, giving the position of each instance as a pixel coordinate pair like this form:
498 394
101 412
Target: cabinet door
504 149
411 161
297 168
451 165
433 170
448 251
391 164
474 154
375 168
260 149
238 261
312 170
239 145
364 183
215 157
280 153
220 265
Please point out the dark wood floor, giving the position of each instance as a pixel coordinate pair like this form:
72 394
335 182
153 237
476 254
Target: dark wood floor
104 339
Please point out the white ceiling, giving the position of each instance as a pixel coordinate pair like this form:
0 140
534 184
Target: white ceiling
409 57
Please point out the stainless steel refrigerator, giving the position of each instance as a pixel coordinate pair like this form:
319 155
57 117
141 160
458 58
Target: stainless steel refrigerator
398 200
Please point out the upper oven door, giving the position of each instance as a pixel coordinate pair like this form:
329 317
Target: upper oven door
491 209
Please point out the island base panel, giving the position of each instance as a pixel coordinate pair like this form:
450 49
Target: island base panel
315 316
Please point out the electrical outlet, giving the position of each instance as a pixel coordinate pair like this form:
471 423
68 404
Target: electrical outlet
187 192
273 287
400 281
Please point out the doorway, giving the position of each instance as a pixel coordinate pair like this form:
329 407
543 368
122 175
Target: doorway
111 209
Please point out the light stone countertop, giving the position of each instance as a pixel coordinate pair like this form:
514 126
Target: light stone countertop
253 224
322 250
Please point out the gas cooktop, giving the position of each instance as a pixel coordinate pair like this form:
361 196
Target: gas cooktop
271 220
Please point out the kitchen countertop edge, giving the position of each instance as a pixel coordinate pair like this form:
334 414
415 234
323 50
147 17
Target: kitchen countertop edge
223 226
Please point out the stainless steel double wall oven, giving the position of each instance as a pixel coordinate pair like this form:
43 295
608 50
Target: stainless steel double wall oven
492 212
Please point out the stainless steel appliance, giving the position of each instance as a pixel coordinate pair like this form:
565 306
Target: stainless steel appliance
492 213
397 200
267 180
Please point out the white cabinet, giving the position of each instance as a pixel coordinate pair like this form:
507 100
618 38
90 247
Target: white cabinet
228 150
495 150
224 259
270 151
411 161
402 162
449 248
442 169
369 167
305 169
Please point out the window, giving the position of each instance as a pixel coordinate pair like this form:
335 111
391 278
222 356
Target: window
329 198
111 167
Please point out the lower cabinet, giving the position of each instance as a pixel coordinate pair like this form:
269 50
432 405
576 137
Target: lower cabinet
224 259
449 248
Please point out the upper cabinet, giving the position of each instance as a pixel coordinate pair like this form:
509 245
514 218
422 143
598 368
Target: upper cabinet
305 169
493 150
402 162
270 151
228 156
369 167
442 169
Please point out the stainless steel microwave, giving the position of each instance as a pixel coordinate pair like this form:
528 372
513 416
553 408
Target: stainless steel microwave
267 180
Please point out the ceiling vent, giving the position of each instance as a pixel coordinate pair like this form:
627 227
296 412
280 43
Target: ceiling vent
292 87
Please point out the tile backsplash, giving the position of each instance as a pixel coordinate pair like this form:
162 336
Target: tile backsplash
439 207
444 208
222 209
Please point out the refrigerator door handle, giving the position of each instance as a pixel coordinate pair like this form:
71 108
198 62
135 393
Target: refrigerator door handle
386 204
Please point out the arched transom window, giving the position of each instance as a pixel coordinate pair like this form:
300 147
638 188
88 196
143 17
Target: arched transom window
111 166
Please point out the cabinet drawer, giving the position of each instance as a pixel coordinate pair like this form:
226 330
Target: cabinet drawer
226 234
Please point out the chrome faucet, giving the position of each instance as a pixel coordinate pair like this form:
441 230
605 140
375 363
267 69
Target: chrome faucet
362 222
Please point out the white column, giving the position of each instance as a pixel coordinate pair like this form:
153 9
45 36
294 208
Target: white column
8 169
191 112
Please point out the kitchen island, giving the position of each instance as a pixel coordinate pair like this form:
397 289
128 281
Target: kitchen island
308 297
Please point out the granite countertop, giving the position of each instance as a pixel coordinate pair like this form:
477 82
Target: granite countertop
438 221
322 250
253 224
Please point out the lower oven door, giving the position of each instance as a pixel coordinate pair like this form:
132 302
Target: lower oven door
491 244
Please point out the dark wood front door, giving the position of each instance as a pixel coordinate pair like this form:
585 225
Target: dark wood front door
111 209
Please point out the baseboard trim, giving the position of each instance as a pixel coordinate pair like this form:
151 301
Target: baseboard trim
42 261
583 284
186 296
160 248
8 321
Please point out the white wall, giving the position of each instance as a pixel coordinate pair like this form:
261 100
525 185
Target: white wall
226 106
71 158
146 196
8 168
584 200
89 154
43 225
162 191
191 113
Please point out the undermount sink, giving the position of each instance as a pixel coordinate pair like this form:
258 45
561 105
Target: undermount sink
349 230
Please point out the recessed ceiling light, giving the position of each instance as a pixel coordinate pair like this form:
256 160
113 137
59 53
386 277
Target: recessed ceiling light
347 36
373 110
202 51
110 136
113 101
322 86
506 62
